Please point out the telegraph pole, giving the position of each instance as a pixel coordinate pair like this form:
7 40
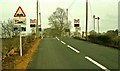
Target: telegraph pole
40 19
67 27
40 28
86 18
67 15
98 23
37 21
40 23
94 21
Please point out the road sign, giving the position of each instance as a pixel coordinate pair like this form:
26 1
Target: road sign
33 20
18 28
76 25
76 21
32 25
23 28
19 13
19 21
15 28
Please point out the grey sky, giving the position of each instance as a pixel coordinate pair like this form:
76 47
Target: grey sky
107 10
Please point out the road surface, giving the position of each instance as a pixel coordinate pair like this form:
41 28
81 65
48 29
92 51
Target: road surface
69 53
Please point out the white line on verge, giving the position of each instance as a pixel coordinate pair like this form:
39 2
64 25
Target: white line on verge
96 63
63 42
73 49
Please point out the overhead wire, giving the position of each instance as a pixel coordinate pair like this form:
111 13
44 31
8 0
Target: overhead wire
71 4
91 13
90 8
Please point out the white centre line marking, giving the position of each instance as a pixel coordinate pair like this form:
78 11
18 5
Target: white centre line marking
63 42
96 63
57 38
73 49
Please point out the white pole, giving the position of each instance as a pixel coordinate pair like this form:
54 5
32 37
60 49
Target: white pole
20 42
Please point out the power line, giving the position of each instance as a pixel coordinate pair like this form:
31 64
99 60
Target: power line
90 6
71 4
39 6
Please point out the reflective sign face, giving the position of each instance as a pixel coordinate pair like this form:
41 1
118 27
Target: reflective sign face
19 21
77 21
16 29
32 20
23 28
19 13
76 25
32 25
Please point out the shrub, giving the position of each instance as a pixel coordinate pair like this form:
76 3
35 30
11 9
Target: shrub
93 38
30 38
105 40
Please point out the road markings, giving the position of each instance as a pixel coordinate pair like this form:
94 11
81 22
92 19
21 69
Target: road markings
73 49
57 38
63 42
96 63
69 46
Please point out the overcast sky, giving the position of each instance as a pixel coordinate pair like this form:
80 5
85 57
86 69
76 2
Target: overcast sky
107 10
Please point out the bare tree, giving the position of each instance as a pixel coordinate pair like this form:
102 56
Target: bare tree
57 21
7 28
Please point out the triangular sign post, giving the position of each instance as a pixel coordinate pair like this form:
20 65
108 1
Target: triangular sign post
19 13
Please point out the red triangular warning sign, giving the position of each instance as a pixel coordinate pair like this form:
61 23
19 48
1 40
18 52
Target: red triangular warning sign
19 13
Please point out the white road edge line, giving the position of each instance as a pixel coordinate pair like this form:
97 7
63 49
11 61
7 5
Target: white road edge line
96 63
63 42
73 49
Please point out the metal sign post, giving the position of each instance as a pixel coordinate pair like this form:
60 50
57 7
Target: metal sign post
20 13
20 41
